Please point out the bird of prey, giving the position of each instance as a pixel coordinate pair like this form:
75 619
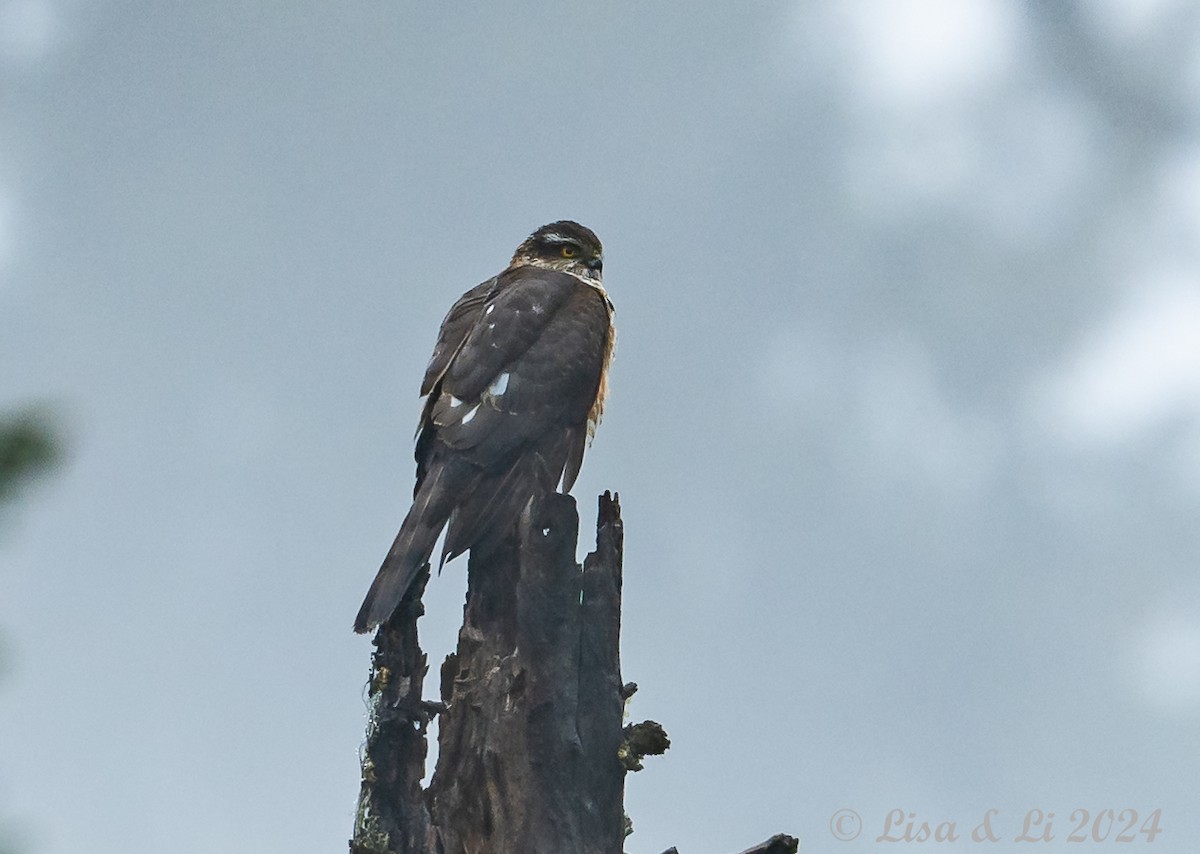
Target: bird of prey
514 391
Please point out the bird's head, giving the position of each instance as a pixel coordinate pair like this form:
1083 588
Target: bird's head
566 246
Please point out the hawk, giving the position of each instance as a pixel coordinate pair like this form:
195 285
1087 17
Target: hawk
513 394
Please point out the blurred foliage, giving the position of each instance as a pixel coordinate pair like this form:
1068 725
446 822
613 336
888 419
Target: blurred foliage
28 447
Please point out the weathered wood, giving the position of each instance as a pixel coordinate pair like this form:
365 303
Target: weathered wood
532 755
532 704
391 815
528 746
602 695
641 740
777 844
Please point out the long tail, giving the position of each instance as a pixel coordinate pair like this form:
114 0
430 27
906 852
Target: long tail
431 507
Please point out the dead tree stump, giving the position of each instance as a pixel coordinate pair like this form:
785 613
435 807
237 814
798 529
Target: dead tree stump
528 744
532 701
532 754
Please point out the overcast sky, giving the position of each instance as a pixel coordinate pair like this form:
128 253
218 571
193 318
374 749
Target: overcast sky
905 413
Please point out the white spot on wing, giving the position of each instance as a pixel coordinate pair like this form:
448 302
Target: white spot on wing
470 414
537 308
499 386
455 402
490 309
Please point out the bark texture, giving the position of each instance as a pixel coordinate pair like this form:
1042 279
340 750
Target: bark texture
532 753
529 742
532 700
391 815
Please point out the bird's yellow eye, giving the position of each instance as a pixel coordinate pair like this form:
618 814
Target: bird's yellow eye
569 251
